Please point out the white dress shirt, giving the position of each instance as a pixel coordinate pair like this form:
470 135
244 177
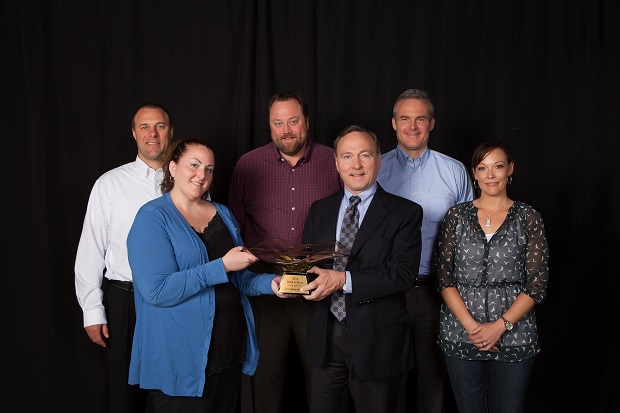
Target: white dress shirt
114 201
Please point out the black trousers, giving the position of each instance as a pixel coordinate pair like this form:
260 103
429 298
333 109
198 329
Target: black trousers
336 381
424 390
121 315
276 321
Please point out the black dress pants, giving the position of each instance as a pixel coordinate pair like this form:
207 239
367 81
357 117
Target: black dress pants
121 315
277 321
336 379
425 388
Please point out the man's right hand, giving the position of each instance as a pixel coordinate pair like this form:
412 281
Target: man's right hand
325 284
97 332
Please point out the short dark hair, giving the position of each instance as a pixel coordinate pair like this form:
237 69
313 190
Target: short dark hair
175 152
357 128
415 94
150 105
284 96
483 149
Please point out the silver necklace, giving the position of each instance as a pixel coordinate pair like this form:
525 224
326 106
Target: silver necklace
487 223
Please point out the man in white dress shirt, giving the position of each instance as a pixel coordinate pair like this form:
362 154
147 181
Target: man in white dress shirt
109 313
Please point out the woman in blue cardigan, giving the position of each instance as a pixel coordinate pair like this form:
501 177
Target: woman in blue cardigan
194 331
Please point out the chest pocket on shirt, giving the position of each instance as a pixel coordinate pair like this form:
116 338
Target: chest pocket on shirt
435 207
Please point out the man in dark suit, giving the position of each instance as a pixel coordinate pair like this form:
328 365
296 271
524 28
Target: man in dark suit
366 350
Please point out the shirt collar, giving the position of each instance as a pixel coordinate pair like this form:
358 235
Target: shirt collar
403 158
365 195
305 158
146 171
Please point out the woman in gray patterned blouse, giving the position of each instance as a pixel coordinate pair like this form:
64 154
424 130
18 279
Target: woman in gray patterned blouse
492 268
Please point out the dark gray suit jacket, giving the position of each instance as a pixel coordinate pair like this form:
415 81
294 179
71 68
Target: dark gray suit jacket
384 263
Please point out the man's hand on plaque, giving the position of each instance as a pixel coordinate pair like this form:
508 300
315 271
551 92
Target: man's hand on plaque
325 284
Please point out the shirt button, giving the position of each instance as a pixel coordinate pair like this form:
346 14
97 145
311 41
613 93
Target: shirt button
292 229
293 170
292 189
293 208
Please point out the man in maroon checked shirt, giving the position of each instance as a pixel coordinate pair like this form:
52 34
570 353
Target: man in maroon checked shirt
271 190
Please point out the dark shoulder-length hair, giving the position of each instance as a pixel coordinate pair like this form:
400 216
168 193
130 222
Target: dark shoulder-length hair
483 149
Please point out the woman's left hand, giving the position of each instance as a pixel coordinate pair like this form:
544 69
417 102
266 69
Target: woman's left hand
486 336
275 286
237 259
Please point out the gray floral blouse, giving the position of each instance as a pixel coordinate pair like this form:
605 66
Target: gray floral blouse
490 275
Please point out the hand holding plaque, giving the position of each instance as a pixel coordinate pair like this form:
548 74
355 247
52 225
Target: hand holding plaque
295 260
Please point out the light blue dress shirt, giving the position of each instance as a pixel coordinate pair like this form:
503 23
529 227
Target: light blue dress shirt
434 181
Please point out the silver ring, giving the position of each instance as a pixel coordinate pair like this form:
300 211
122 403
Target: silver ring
483 344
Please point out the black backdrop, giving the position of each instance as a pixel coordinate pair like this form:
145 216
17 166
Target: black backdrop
541 75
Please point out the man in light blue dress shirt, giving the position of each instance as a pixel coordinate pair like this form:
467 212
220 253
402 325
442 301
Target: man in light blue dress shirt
436 182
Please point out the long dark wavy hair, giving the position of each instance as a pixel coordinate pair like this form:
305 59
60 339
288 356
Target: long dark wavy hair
175 152
481 151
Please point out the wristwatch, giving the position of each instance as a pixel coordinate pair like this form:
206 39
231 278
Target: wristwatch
507 323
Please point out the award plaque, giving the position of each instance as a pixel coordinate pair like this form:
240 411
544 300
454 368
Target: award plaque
295 260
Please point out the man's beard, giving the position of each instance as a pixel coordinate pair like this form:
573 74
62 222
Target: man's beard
298 145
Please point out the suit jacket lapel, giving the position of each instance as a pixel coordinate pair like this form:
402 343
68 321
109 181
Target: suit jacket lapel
331 215
375 214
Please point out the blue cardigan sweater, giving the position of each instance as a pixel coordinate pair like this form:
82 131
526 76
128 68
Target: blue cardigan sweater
175 299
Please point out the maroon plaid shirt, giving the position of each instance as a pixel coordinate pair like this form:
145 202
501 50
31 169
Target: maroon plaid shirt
270 198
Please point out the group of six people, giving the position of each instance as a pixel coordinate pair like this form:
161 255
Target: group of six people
435 282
